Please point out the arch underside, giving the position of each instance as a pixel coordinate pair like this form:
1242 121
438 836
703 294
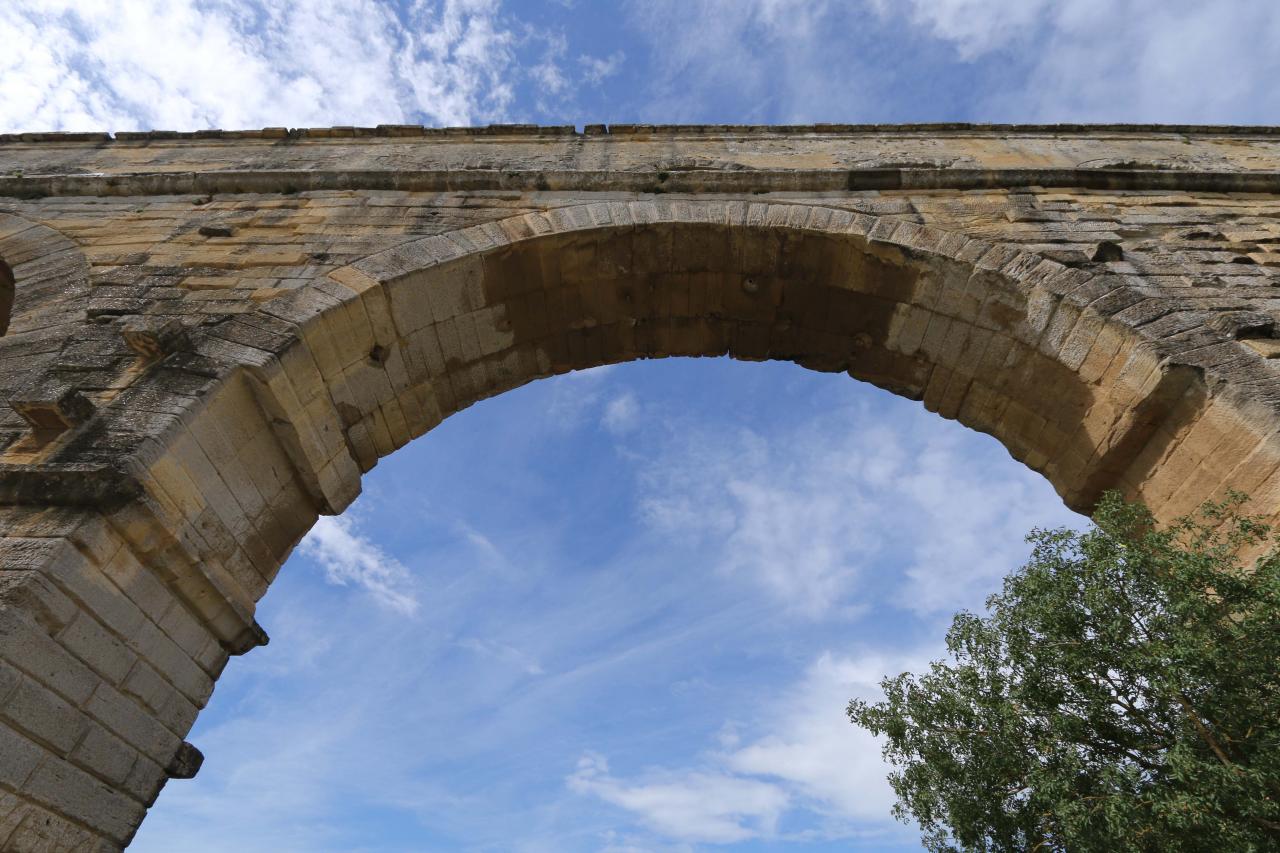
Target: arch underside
139 600
1006 342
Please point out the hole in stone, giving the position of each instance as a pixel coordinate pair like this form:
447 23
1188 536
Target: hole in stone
633 586
1244 325
750 285
1244 259
1108 251
378 354
6 295
1255 331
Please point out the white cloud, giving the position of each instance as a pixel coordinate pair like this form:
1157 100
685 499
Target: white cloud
1116 60
792 524
806 513
813 749
509 655
807 756
548 74
575 395
621 414
185 65
755 54
596 69
696 806
974 26
1172 61
349 558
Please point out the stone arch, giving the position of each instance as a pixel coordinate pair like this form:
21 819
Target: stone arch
1039 355
980 332
163 450
230 437
6 296
44 282
48 267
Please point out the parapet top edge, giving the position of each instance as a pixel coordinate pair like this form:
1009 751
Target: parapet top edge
633 130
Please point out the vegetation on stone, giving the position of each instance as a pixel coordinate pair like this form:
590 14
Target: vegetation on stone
1123 694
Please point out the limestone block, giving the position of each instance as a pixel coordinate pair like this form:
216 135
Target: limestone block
154 338
105 755
81 797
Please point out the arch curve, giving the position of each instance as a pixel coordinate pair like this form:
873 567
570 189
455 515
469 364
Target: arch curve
6 296
287 406
49 267
44 286
1005 341
265 419
201 413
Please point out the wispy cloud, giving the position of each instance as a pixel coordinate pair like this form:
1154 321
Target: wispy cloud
966 60
811 748
974 27
510 655
350 558
621 414
1128 61
806 756
549 73
696 806
575 396
596 69
184 65
755 55
805 512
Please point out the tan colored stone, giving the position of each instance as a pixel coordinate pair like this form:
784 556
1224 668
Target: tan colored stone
313 332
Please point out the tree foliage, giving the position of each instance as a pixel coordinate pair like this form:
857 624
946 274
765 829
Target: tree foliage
1123 694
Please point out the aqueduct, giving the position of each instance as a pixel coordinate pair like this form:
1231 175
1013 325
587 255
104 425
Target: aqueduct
208 337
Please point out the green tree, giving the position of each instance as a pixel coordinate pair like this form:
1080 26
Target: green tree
1123 694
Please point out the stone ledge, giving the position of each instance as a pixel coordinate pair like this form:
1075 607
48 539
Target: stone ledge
629 129
289 182
100 487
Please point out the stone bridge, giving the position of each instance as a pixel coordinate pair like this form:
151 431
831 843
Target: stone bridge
209 337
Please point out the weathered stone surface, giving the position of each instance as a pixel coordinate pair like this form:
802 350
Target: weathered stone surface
51 403
212 336
186 763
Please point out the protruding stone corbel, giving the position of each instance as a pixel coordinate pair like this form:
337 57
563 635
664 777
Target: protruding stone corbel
186 762
248 640
154 337
51 404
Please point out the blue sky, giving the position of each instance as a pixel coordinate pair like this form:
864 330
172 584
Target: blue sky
619 610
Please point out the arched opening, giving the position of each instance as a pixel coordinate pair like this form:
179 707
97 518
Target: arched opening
275 414
571 606
6 295
981 333
345 372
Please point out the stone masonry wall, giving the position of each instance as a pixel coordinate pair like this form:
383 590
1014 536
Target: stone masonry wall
213 335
